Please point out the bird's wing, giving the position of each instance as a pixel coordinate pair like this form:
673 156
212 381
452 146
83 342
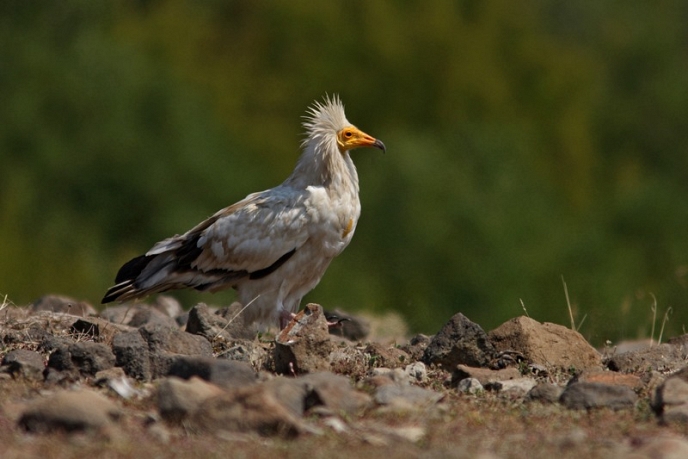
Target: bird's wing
250 236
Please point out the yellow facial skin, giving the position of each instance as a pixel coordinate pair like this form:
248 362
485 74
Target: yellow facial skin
351 137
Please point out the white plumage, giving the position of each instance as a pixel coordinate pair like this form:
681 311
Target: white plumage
275 245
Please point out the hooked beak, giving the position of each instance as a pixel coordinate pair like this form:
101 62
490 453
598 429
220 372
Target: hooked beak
351 137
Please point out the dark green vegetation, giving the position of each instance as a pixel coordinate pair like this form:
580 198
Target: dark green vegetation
525 141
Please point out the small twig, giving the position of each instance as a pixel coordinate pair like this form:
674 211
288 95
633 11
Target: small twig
524 307
581 322
568 303
229 322
664 321
653 308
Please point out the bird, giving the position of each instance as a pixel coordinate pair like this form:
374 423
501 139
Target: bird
273 246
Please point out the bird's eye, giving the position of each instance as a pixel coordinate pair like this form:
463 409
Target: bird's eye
348 134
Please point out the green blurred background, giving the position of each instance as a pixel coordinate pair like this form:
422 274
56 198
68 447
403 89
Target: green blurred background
526 141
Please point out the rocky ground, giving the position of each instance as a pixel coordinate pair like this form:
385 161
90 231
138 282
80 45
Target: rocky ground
154 381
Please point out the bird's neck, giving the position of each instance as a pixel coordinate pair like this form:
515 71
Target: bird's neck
323 165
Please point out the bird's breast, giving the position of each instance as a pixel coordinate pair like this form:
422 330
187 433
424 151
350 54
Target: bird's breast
336 217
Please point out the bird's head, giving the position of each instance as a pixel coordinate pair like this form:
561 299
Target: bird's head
326 124
351 137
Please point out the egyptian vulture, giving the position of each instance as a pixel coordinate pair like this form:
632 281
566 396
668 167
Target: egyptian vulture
275 245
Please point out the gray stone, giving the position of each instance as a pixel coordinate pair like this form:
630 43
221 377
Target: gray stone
333 392
53 343
406 397
545 393
168 305
382 376
82 410
257 408
517 386
221 372
224 325
87 358
178 399
670 401
131 353
416 346
417 371
459 341
597 395
24 363
64 304
662 357
469 386
165 344
484 375
120 314
98 328
145 315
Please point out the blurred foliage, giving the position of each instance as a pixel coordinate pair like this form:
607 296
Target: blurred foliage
526 141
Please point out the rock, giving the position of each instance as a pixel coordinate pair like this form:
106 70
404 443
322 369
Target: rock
95 327
417 371
334 392
82 410
484 375
385 356
416 346
131 353
304 346
545 344
518 386
406 397
680 341
85 358
290 392
24 363
252 352
662 357
258 408
610 377
53 343
663 447
469 386
168 305
545 393
178 399
627 346
13 335
382 376
144 315
117 381
165 344
120 314
64 304
221 372
350 327
226 325
584 395
670 401
459 341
